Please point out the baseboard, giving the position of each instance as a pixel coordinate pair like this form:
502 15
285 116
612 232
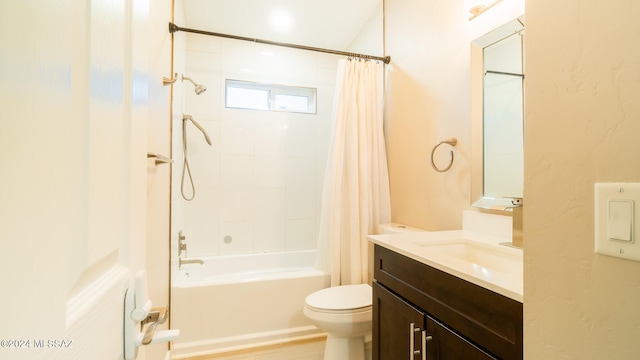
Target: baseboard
257 341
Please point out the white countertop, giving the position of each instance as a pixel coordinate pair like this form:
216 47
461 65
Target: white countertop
471 256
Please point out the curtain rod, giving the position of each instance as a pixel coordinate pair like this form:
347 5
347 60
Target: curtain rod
175 28
503 73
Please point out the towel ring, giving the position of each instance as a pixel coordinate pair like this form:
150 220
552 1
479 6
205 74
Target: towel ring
452 142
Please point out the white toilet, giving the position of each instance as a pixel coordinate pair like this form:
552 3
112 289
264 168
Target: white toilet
345 312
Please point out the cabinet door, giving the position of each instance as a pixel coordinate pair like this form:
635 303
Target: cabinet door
444 344
393 333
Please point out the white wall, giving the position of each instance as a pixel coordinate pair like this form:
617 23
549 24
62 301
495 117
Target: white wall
261 180
427 101
369 40
582 111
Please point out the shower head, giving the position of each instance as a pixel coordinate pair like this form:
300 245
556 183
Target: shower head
186 117
199 87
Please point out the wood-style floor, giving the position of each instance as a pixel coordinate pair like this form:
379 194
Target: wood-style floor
304 350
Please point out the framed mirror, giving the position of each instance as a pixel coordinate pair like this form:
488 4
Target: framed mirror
497 116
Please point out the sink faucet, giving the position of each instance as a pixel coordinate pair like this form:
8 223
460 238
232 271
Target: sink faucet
182 261
517 238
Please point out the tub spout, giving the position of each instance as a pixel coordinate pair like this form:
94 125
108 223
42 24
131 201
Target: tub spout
182 261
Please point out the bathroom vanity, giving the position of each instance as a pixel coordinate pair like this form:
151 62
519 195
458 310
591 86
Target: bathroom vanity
442 296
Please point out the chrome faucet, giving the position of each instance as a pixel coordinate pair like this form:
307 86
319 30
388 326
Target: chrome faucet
182 246
516 224
182 261
517 237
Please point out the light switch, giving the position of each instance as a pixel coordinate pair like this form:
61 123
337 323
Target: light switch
616 218
620 226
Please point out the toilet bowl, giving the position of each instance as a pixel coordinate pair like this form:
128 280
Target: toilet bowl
344 313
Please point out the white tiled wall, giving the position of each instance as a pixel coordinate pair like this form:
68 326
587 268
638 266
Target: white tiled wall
260 183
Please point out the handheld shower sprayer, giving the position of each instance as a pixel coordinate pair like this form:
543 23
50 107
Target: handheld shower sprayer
186 117
186 171
199 87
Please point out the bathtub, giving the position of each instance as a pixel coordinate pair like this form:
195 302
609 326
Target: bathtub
238 302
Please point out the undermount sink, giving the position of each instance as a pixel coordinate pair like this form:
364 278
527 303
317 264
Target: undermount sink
485 257
471 256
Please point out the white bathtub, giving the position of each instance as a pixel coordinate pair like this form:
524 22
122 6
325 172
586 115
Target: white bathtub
238 302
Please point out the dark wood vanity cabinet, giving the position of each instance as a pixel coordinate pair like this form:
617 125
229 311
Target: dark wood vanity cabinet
418 308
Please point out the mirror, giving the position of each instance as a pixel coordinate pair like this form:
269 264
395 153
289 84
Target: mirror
497 109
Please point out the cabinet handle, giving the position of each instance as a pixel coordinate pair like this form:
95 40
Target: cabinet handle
412 343
425 338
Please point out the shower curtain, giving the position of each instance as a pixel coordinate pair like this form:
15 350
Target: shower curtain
355 196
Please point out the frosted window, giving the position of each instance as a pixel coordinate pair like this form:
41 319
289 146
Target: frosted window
247 98
292 103
257 96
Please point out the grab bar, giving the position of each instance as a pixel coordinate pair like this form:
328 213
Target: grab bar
452 142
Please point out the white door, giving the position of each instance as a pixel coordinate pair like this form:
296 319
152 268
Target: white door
74 102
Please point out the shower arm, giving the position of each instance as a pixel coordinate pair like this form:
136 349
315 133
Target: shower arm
199 87
189 79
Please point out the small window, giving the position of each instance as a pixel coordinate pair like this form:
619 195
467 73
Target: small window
256 96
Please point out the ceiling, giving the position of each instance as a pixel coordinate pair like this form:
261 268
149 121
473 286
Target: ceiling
331 24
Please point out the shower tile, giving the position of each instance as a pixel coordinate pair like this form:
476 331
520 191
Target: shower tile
270 148
201 222
239 57
237 204
301 172
301 234
203 43
237 172
269 224
201 62
295 68
325 108
208 105
236 238
270 171
300 203
301 139
237 191
237 132
204 159
328 61
265 167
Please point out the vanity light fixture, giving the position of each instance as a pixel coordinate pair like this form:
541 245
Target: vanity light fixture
480 7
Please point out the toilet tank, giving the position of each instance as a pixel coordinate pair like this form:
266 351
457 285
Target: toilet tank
395 228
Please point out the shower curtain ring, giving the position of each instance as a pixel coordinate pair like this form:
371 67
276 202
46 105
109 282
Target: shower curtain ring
452 142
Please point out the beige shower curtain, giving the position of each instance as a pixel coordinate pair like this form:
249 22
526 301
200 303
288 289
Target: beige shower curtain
356 185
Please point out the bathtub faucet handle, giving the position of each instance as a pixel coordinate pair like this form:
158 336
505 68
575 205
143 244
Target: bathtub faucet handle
182 243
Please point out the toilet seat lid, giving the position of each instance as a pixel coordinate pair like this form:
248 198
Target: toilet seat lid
345 297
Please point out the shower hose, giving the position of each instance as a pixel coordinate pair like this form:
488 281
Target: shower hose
186 171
